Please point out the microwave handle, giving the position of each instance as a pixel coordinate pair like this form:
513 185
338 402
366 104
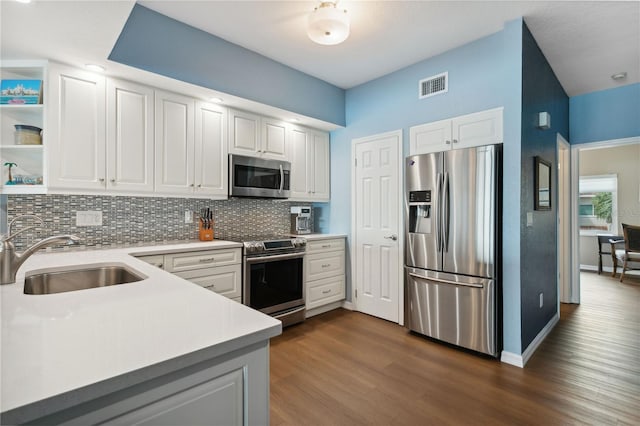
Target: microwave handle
281 180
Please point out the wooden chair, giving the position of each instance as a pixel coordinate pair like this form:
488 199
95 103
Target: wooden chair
604 244
631 253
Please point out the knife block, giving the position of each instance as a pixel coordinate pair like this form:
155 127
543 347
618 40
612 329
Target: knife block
205 234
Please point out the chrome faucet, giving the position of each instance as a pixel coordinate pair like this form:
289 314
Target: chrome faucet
10 260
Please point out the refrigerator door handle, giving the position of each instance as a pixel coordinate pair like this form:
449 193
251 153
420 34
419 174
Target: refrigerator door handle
443 281
438 213
446 213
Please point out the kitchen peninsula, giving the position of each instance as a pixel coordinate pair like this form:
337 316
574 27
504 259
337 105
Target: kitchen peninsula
160 348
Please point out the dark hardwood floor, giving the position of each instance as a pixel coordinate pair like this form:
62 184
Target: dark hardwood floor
347 368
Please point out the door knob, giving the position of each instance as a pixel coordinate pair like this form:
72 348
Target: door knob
393 237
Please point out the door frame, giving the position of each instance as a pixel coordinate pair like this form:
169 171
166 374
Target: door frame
354 269
565 260
575 198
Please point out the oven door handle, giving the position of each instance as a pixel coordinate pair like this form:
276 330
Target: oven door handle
274 257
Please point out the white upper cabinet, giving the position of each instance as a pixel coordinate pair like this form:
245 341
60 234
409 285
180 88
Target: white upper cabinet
130 137
310 164
256 136
481 128
175 143
211 165
76 129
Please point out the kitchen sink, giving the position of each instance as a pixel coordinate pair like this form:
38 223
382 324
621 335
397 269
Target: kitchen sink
80 277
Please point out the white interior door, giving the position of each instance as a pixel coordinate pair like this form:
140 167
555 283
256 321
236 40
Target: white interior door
377 201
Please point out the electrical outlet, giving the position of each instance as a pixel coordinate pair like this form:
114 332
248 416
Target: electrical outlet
541 299
89 218
188 216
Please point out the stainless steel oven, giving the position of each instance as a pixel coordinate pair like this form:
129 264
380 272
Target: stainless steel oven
273 280
258 177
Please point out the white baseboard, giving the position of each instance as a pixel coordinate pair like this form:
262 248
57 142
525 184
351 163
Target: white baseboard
348 305
511 358
521 360
593 268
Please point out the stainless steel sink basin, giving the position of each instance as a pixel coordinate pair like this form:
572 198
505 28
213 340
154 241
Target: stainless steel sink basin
79 277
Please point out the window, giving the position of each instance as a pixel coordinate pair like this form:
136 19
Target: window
598 204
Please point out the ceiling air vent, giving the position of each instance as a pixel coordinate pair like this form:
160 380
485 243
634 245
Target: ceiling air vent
433 85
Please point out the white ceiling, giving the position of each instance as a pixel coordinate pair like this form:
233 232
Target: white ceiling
585 42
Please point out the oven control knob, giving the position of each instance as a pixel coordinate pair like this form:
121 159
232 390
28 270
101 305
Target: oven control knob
254 247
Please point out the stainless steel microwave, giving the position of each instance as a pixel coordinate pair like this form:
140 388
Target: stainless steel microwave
258 177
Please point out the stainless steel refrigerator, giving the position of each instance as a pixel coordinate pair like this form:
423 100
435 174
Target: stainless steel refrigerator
452 221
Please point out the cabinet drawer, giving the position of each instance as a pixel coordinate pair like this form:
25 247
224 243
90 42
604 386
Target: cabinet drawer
325 291
324 265
201 259
320 246
224 280
156 260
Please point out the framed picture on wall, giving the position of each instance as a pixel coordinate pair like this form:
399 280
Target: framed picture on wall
542 179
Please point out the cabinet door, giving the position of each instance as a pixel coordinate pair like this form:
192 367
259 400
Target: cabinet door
174 143
211 164
244 136
298 153
274 139
129 137
321 172
430 137
219 401
76 129
481 128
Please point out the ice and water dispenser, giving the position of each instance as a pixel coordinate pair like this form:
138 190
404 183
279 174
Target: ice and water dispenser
420 211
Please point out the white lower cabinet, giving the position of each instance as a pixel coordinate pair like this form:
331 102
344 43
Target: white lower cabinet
324 274
216 270
229 389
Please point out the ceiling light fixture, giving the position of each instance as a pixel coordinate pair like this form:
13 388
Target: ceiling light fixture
619 76
95 67
327 24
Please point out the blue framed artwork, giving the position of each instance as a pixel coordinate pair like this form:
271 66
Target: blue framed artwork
21 92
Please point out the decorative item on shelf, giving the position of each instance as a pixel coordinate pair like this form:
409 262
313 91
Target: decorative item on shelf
10 165
28 135
21 92
206 225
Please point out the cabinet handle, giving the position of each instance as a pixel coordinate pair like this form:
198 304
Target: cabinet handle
326 245
101 179
326 291
113 181
455 141
160 265
199 185
326 265
192 185
208 259
447 142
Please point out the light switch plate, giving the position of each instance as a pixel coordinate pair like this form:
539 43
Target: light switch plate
529 219
89 218
188 216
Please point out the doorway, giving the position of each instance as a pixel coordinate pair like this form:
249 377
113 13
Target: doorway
619 158
376 221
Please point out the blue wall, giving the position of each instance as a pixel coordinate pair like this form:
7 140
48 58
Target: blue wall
605 115
484 74
541 91
156 43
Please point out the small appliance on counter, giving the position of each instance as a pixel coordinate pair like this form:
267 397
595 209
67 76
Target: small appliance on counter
301 220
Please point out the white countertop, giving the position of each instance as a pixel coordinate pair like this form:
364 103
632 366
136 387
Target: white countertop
321 236
56 343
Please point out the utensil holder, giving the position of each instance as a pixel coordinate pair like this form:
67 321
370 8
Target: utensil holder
205 234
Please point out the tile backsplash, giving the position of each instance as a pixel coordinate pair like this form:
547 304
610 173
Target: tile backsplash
134 220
